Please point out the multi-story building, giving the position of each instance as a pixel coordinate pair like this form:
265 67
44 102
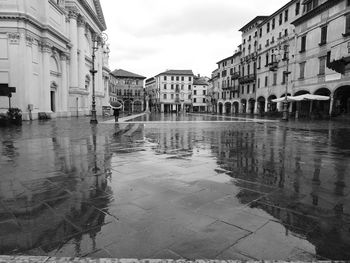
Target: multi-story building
173 90
213 94
249 56
130 90
199 96
302 48
46 54
322 56
276 46
113 81
227 91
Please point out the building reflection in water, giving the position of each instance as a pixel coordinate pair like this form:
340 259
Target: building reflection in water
312 192
53 195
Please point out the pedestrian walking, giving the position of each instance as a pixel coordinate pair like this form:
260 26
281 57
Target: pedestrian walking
116 114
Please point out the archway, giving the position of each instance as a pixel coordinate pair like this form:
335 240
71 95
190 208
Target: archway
244 105
128 106
261 105
235 107
53 90
251 106
322 107
137 106
228 108
342 101
220 107
271 106
301 108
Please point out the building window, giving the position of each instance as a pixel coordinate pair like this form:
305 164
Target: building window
280 19
283 78
347 25
164 96
258 83
203 100
242 89
189 96
286 15
172 96
204 92
165 86
189 87
274 83
268 27
260 32
259 62
182 87
286 32
297 8
266 81
177 78
253 88
164 77
267 59
302 70
303 44
172 86
248 89
182 78
273 23
323 36
190 78
322 65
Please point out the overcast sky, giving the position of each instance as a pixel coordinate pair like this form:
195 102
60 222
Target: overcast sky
149 36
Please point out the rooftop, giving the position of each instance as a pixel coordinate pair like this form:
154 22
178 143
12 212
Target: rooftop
200 81
252 22
178 72
120 73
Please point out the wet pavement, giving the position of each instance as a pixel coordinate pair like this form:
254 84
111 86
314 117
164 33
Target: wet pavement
176 187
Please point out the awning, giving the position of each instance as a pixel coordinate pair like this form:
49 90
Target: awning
302 98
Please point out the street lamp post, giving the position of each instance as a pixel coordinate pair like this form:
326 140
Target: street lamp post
98 40
286 74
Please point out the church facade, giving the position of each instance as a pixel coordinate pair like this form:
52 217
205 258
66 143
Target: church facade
46 54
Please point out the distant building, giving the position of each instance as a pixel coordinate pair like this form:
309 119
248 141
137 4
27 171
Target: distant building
129 90
172 90
152 94
199 96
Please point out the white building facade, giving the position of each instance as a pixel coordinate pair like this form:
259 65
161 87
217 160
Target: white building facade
46 53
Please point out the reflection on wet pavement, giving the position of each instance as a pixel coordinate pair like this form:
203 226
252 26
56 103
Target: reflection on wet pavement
210 190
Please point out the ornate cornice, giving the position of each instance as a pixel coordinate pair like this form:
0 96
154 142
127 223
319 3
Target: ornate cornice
98 18
314 12
29 19
73 13
29 40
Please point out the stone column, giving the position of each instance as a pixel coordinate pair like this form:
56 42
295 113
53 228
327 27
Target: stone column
223 109
81 47
240 107
247 107
331 103
266 105
45 89
162 108
65 87
74 83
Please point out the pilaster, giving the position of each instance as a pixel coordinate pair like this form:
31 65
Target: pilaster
46 50
81 22
73 16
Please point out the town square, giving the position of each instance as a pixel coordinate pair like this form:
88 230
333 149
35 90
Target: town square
120 142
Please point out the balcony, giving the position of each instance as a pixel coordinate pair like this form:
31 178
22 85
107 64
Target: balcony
235 76
247 79
273 66
338 58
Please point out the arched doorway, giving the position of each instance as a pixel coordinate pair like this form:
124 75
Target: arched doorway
53 90
261 105
128 106
341 104
235 107
322 107
251 106
137 106
228 108
271 106
301 108
220 107
244 105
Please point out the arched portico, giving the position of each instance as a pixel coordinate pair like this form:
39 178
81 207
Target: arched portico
322 107
243 105
228 107
220 107
251 106
271 106
235 107
261 105
341 105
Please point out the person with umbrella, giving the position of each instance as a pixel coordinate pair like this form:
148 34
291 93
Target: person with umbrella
116 105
